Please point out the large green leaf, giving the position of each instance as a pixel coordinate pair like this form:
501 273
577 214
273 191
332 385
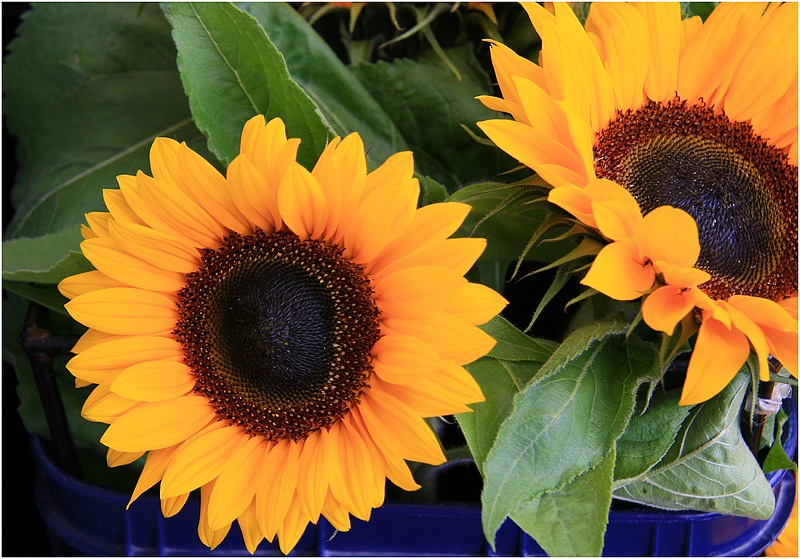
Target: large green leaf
564 423
501 375
649 435
232 71
47 259
429 105
709 466
346 104
87 88
555 519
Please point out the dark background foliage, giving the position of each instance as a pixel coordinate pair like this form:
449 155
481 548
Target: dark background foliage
24 533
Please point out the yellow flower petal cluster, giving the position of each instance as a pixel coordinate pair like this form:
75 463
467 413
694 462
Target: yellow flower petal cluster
637 65
150 250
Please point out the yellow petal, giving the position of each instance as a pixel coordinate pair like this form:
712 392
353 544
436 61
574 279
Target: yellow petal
104 406
556 164
158 249
572 66
774 54
342 173
211 538
292 527
475 303
551 120
152 381
666 306
458 255
718 354
312 482
417 290
154 466
117 204
508 64
669 234
394 465
452 337
430 225
115 458
201 460
664 33
403 359
302 203
442 393
159 424
351 476
79 284
125 311
253 195
98 223
251 533
236 484
172 506
102 360
335 513
384 214
623 34
756 337
277 486
680 276
620 272
108 257
210 190
716 50
393 424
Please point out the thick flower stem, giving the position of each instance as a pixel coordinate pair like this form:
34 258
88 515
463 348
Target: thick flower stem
41 347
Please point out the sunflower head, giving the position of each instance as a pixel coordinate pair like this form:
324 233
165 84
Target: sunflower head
699 117
276 337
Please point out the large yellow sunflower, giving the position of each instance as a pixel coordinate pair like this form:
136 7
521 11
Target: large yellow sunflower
276 338
641 110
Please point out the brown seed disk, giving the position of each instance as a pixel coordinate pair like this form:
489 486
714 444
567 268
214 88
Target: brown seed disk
741 190
278 332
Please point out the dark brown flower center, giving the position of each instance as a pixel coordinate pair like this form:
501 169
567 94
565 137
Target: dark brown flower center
741 191
278 332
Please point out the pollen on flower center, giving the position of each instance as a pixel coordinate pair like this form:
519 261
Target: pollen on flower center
741 191
278 332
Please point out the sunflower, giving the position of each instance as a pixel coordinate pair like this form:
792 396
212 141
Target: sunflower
277 337
640 110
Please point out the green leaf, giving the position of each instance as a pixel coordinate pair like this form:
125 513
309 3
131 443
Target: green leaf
564 423
346 104
649 435
428 104
503 215
571 521
501 375
579 341
432 192
45 295
87 87
777 459
47 259
231 72
709 466
515 345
